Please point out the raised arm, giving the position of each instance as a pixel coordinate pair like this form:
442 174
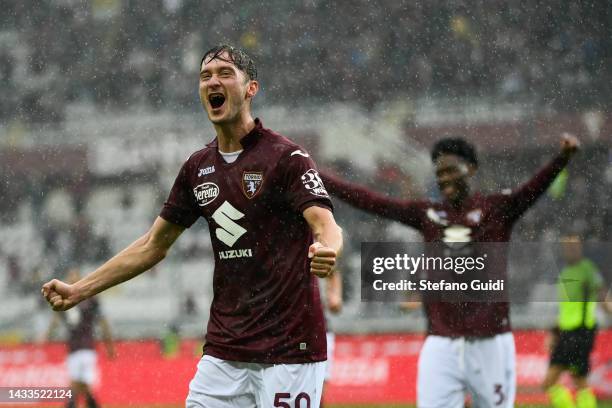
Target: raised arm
526 195
405 211
328 240
141 255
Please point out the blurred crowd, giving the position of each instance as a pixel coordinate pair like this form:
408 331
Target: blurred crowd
121 55
132 53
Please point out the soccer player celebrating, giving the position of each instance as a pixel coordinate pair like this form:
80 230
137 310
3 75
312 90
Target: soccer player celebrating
469 344
272 231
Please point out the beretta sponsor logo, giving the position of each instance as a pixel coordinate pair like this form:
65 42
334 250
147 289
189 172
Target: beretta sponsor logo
206 193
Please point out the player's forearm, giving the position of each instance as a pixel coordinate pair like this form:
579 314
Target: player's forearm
139 257
329 234
334 285
534 188
355 195
549 172
334 292
406 211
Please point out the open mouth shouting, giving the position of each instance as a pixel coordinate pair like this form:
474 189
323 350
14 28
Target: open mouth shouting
216 100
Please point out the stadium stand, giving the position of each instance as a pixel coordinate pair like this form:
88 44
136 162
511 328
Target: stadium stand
116 108
119 53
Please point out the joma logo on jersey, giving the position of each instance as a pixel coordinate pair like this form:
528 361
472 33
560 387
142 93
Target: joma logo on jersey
206 193
236 253
251 183
206 170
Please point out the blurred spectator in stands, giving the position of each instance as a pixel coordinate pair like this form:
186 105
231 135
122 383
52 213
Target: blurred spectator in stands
15 275
120 53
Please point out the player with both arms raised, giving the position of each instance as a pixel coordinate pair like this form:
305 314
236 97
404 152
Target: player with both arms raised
265 205
469 344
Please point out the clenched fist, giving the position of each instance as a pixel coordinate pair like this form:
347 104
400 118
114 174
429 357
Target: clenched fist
60 295
569 144
323 260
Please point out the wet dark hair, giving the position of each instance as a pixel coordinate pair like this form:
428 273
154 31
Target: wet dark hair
237 56
456 146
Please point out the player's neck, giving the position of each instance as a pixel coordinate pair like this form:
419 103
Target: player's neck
230 134
460 201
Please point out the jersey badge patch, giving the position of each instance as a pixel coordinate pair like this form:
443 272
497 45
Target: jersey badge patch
251 183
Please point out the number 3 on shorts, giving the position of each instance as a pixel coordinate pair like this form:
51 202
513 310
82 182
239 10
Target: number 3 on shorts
500 394
302 396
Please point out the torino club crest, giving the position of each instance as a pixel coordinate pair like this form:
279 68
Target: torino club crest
251 183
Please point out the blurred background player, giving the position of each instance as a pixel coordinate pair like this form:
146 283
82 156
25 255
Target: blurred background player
469 345
272 232
82 358
580 288
333 304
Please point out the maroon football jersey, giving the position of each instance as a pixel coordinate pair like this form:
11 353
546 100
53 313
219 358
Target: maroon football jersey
481 219
266 306
80 322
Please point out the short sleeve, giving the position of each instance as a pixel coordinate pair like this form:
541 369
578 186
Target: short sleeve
181 208
304 187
